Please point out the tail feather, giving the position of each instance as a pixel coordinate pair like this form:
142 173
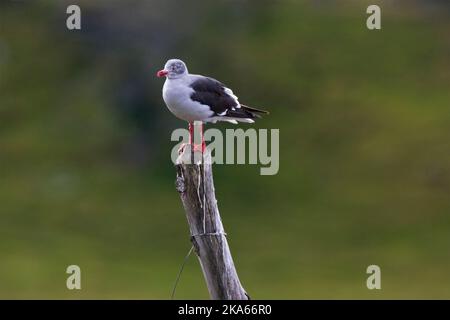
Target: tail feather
242 114
255 112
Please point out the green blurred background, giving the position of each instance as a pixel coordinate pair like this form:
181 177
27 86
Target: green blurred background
364 119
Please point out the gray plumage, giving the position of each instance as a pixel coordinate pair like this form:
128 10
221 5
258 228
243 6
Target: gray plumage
193 97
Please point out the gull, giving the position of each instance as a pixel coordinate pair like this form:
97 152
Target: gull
193 97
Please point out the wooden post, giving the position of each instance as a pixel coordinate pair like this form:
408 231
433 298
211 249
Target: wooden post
207 232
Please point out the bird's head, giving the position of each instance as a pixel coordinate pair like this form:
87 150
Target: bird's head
174 68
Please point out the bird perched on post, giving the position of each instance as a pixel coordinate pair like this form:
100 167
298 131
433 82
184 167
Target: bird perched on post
193 97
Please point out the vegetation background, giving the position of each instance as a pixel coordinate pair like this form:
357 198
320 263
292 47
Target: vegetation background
364 119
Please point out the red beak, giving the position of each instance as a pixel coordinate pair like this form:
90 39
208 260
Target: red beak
162 73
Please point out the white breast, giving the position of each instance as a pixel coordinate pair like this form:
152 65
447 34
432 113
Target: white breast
176 95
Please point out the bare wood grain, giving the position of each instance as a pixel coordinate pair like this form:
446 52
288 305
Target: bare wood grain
207 231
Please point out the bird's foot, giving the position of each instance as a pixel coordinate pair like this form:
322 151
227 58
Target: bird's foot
196 147
199 147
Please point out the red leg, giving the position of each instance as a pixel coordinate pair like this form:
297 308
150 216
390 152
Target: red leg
196 147
203 139
191 132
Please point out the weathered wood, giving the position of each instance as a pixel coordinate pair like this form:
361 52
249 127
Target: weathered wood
207 232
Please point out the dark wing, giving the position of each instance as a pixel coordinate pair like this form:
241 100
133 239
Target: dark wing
212 93
220 99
